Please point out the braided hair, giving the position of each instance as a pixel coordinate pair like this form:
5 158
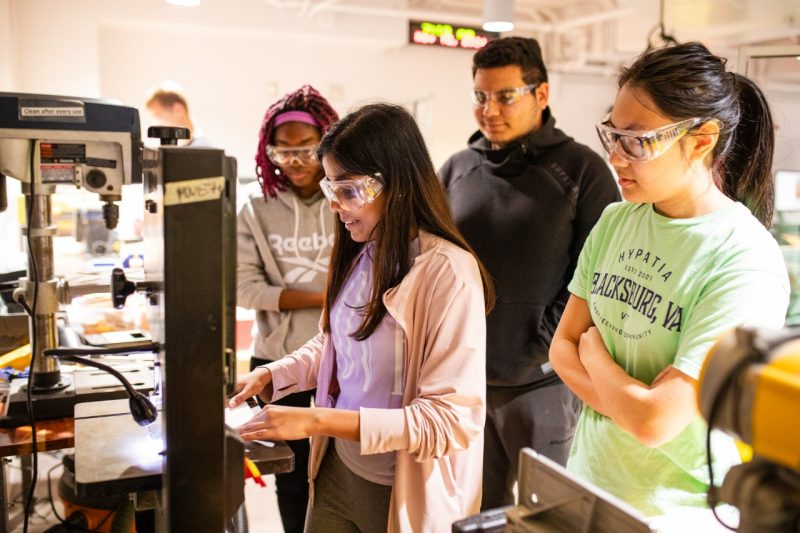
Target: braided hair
307 99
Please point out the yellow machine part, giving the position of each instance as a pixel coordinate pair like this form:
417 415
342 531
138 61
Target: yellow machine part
18 359
745 450
776 409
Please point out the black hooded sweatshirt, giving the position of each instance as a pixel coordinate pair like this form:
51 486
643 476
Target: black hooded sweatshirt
526 209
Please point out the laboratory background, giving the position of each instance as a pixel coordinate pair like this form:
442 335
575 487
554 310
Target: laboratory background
231 60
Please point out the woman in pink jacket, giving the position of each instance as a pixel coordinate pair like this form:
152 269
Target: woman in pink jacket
399 363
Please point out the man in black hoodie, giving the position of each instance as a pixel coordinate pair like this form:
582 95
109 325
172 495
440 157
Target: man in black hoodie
525 196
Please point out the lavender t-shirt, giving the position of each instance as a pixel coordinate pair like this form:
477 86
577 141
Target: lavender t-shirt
370 372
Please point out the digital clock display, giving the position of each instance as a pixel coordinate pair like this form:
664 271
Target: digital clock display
448 35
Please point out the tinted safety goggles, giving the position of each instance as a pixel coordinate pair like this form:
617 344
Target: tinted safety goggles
353 194
644 145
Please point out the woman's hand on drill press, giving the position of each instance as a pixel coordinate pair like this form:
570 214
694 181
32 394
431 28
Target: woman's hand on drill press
280 422
258 382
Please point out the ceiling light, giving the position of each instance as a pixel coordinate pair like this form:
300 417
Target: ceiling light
498 15
184 3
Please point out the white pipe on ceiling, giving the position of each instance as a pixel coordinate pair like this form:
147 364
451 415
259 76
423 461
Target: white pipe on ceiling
335 6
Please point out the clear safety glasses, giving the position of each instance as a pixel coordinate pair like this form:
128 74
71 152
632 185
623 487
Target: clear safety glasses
644 145
353 194
502 97
286 155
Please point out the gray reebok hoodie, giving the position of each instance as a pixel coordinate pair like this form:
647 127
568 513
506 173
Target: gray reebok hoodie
283 243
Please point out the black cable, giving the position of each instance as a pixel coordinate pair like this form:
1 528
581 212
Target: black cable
63 520
667 38
89 362
712 415
662 32
60 352
50 492
24 303
142 409
29 391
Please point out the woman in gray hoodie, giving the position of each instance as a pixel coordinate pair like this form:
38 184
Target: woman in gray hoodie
285 235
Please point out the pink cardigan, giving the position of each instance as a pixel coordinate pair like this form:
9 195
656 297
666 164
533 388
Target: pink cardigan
438 433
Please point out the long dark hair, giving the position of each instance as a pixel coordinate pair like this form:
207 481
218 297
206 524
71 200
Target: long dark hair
307 99
686 81
383 138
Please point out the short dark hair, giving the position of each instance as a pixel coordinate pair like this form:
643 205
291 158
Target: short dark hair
524 52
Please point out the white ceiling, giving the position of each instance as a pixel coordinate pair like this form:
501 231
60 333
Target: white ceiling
593 35
577 36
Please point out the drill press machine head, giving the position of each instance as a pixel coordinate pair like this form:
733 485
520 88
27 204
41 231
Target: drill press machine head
89 143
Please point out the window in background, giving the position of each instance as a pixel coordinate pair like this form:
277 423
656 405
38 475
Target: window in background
776 69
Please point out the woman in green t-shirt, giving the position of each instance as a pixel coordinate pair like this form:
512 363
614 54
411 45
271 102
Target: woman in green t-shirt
662 275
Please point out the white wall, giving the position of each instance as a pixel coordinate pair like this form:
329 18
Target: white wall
10 237
6 43
9 232
236 57
578 101
234 69
786 111
232 77
54 47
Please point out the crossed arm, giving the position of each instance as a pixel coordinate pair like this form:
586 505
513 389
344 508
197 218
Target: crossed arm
654 414
254 289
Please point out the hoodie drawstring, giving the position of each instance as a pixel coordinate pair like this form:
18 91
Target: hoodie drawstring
321 228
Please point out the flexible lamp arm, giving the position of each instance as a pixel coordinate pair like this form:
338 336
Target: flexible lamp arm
142 409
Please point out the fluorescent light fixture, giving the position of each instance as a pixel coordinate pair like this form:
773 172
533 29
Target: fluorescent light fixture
184 3
498 15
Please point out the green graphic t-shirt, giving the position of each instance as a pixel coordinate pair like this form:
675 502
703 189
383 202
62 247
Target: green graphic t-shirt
661 291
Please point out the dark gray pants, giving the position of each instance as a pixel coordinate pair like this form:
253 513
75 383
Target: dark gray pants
345 502
292 487
542 418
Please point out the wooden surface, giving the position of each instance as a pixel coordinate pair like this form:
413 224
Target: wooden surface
50 435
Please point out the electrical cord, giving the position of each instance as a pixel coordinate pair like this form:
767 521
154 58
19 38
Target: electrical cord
18 499
20 299
761 349
61 352
29 391
63 521
712 415
662 33
142 409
